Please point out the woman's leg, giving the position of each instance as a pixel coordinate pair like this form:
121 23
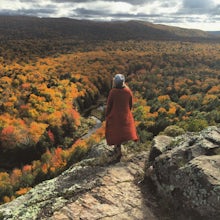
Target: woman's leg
117 147
118 151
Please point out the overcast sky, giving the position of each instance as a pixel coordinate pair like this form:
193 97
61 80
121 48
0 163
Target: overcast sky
199 14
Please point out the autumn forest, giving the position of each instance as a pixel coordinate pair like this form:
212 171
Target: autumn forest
48 85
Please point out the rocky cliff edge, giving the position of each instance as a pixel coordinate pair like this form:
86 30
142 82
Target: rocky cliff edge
95 188
186 172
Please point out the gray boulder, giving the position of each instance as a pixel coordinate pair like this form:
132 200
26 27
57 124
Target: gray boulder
186 172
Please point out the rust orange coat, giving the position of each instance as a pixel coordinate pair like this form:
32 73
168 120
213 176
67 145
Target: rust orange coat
120 125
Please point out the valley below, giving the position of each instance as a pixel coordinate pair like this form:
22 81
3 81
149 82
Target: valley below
55 77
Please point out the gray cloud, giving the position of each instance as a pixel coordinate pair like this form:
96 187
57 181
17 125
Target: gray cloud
197 7
34 9
198 4
90 14
32 1
8 12
133 2
38 12
115 16
167 19
136 2
111 13
216 10
30 12
72 1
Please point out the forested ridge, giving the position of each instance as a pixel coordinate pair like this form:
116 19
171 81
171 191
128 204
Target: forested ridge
46 86
23 36
25 27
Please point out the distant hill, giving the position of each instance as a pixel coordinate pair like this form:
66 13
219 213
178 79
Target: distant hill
214 32
24 27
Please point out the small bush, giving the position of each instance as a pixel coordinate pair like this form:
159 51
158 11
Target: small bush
173 131
196 125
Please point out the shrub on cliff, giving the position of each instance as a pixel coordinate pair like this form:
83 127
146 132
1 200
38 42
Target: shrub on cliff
173 131
196 125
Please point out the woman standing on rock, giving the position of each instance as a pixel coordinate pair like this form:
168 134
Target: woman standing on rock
120 125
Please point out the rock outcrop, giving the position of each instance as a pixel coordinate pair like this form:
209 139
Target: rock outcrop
186 172
95 188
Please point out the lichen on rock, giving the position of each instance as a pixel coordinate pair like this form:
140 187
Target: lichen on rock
186 171
95 188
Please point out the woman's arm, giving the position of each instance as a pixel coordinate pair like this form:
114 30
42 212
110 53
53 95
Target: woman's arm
109 104
131 97
131 102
